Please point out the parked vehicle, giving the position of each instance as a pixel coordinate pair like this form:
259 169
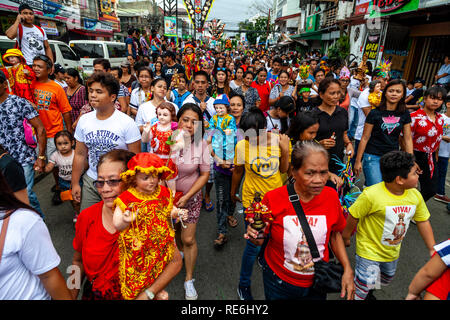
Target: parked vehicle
89 50
62 53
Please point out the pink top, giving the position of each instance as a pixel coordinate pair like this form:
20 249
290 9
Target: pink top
192 160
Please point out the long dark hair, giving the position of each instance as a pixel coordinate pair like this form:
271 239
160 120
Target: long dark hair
75 74
401 106
192 107
226 85
287 105
302 121
324 85
8 201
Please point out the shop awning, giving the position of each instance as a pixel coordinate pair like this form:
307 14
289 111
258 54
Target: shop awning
315 35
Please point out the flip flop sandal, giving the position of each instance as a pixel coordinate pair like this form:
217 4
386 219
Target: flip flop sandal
220 241
209 206
232 221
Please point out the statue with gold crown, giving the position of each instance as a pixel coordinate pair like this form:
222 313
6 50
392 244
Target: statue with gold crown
362 69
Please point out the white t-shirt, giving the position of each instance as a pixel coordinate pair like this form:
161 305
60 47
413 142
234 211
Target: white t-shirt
32 43
444 148
61 83
209 104
102 136
28 253
64 164
363 102
147 113
137 98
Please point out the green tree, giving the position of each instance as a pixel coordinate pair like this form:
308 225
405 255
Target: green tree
259 28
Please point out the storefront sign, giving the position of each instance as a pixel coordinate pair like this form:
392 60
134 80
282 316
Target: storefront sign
107 10
372 46
311 23
49 27
95 25
170 26
381 8
70 14
362 6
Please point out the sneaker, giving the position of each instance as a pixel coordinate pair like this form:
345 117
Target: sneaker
443 199
244 293
191 294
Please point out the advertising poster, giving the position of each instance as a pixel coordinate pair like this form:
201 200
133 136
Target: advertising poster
382 8
107 10
372 46
170 26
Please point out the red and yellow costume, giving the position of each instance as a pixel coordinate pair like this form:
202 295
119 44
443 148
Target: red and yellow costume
159 146
191 64
147 246
20 82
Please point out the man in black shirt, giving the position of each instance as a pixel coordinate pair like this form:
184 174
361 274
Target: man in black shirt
412 100
170 66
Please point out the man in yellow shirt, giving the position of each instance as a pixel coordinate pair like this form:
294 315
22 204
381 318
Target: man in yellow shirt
383 213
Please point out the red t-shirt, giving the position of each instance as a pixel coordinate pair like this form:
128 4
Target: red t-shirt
287 252
264 92
100 252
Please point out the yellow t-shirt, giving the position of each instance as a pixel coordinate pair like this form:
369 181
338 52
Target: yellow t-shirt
384 220
262 169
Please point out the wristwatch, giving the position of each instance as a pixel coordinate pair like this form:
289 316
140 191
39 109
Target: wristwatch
42 158
149 294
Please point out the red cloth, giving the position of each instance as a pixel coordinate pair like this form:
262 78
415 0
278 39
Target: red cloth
441 286
287 251
426 135
100 252
264 92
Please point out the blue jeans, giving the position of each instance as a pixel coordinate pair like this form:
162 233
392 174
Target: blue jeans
371 169
353 121
442 173
28 171
223 197
249 256
277 289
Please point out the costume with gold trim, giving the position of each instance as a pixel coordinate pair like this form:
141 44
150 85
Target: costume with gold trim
147 245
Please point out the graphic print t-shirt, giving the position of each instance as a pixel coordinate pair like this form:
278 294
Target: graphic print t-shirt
287 252
102 136
52 102
262 169
387 126
384 220
63 163
32 43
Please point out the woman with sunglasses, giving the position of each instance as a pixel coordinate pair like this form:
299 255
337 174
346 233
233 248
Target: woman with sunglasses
95 243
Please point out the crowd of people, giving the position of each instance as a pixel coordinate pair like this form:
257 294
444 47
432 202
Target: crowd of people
137 149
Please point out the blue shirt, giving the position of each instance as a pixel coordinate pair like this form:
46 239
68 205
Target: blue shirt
129 40
444 69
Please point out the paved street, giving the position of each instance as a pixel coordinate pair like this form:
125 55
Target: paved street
217 272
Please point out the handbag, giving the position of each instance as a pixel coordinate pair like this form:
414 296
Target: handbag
327 275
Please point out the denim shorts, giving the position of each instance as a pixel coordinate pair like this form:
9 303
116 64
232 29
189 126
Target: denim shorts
65 185
372 274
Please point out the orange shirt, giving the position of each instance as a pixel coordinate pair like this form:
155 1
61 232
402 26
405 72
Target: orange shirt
52 102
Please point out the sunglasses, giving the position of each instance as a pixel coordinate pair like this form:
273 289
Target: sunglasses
111 183
221 69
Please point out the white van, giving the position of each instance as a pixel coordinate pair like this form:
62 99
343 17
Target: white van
89 50
62 53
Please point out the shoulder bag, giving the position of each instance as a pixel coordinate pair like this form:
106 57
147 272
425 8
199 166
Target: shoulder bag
327 275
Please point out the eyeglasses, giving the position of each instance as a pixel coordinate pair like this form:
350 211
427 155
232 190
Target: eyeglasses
111 183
